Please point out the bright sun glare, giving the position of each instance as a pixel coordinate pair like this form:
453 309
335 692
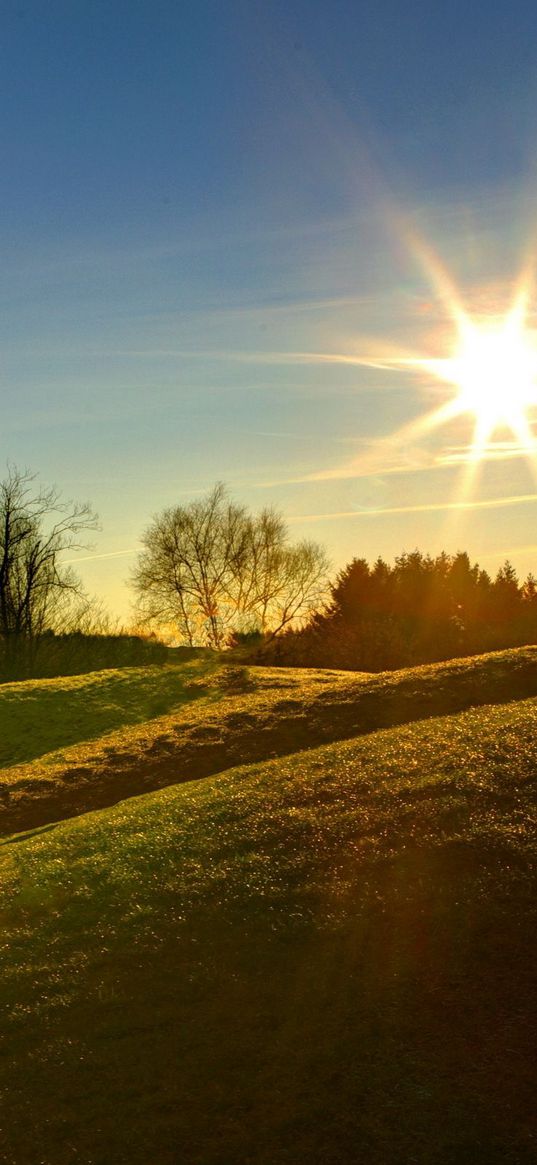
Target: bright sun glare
492 367
495 371
491 372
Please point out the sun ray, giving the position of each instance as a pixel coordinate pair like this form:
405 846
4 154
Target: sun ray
415 429
438 277
471 468
492 370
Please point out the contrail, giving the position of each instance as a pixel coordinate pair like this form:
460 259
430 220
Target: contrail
515 500
110 554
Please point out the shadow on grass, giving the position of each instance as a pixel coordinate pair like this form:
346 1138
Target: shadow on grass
28 834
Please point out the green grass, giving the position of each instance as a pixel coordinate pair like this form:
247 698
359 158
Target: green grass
245 715
326 956
41 716
38 716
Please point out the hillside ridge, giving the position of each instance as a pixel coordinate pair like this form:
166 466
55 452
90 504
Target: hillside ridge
252 726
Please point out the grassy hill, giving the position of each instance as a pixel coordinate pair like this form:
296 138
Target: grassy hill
325 956
38 716
215 717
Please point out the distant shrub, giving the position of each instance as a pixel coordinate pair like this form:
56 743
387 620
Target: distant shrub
235 679
76 653
246 639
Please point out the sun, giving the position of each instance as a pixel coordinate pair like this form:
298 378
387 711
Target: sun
491 371
494 368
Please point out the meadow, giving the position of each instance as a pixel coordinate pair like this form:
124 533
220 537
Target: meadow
324 951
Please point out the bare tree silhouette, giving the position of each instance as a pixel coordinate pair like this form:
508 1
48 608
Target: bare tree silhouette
38 592
210 568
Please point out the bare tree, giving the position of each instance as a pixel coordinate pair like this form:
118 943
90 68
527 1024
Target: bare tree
37 591
210 567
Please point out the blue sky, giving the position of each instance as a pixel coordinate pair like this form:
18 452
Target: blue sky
204 206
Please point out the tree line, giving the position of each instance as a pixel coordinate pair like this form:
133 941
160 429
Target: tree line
208 571
211 573
421 609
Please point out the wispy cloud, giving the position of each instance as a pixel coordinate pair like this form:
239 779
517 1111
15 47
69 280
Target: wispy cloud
109 554
509 552
276 358
429 507
399 454
494 451
379 457
370 467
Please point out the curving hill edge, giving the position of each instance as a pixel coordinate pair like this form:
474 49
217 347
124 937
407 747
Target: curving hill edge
249 727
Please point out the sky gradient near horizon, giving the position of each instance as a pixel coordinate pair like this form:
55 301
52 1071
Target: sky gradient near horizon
209 211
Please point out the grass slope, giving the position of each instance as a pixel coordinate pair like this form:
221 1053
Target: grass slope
38 716
325 957
250 715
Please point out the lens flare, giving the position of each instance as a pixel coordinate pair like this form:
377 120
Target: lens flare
494 369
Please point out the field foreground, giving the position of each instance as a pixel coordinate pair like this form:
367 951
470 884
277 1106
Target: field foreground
327 955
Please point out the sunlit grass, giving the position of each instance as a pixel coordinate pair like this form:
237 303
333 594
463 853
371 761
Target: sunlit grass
38 716
206 839
248 715
322 955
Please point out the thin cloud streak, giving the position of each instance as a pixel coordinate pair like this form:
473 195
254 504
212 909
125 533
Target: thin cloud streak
379 363
500 452
509 553
369 468
95 557
430 507
215 313
427 463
